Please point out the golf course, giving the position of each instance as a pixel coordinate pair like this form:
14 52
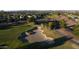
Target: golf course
10 36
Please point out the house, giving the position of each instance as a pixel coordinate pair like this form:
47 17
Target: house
70 23
76 19
42 21
45 20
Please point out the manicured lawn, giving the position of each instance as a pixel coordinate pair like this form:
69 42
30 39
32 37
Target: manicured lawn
10 36
76 31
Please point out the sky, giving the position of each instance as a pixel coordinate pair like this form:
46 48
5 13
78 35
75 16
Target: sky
38 4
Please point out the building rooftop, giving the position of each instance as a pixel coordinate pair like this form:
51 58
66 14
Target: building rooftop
70 23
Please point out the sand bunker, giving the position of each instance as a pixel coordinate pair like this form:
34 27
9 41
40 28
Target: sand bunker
38 36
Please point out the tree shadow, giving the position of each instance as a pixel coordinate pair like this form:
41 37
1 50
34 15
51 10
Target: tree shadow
4 46
47 44
22 37
5 26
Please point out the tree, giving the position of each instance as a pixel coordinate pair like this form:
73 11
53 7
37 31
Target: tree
50 24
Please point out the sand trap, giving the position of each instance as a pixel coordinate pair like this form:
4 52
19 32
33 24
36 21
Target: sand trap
38 36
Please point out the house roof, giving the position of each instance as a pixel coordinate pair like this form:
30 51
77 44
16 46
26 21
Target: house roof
70 23
46 20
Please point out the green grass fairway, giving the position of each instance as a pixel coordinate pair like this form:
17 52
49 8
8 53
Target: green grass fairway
10 36
76 31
